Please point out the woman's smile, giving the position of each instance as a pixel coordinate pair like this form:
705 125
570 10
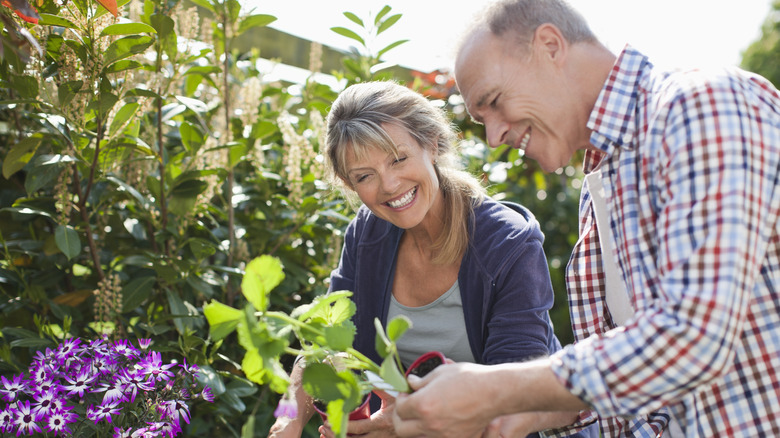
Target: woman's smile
403 200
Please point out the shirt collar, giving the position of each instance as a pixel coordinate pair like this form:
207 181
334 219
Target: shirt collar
613 118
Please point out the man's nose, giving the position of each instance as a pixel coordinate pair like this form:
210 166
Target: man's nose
496 132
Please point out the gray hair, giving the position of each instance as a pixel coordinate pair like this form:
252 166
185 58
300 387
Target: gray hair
521 18
355 122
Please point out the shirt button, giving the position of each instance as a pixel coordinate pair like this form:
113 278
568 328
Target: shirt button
627 138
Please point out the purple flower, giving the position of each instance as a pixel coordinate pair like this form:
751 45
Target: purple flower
25 420
103 411
121 432
68 349
207 395
175 409
45 403
7 416
114 390
124 348
12 388
153 368
286 408
144 343
80 384
133 381
58 423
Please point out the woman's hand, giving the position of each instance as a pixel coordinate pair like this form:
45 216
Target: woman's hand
379 425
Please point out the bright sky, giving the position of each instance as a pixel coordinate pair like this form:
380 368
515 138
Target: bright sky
675 33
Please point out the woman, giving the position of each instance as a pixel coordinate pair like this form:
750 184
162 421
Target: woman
429 243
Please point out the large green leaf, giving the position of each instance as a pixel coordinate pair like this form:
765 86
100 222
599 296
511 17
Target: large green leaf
397 326
191 137
122 116
136 291
253 21
222 319
20 154
55 20
67 91
343 31
127 29
262 275
126 47
67 241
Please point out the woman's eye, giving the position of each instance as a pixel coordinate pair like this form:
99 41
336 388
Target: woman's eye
399 160
361 178
494 102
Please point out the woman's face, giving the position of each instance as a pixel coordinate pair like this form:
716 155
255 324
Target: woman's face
401 190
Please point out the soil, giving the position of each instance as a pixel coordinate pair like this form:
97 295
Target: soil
426 367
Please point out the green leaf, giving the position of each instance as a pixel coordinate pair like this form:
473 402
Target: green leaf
44 169
324 309
263 129
184 314
222 319
122 116
343 31
135 292
337 417
127 29
390 373
252 366
323 383
382 344
67 241
126 47
397 327
389 47
248 429
166 33
339 337
20 154
191 137
24 86
262 275
205 4
385 10
252 21
125 64
391 20
55 20
354 18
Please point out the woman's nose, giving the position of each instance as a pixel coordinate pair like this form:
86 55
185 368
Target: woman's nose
390 182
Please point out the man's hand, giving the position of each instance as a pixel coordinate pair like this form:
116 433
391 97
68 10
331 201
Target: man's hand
454 400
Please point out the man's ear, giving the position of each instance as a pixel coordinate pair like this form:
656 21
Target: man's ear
550 43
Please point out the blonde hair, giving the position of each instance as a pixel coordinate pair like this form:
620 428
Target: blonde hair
355 123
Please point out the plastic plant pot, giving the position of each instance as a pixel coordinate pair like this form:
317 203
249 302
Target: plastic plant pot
426 363
361 413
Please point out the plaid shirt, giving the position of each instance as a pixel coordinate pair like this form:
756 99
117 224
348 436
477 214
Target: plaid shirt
690 168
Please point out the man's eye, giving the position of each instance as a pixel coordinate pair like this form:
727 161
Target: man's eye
494 102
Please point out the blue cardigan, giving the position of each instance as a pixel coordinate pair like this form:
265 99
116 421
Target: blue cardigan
504 282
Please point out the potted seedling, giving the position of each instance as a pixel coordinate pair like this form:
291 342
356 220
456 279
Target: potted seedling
323 329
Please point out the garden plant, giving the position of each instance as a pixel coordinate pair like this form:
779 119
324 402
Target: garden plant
149 166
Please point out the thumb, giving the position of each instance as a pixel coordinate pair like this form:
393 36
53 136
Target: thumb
415 382
384 396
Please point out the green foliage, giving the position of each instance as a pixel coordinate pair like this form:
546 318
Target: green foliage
324 331
763 56
145 165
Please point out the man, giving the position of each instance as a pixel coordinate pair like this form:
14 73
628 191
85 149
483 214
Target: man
678 326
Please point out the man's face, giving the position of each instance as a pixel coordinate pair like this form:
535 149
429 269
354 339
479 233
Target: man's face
521 97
